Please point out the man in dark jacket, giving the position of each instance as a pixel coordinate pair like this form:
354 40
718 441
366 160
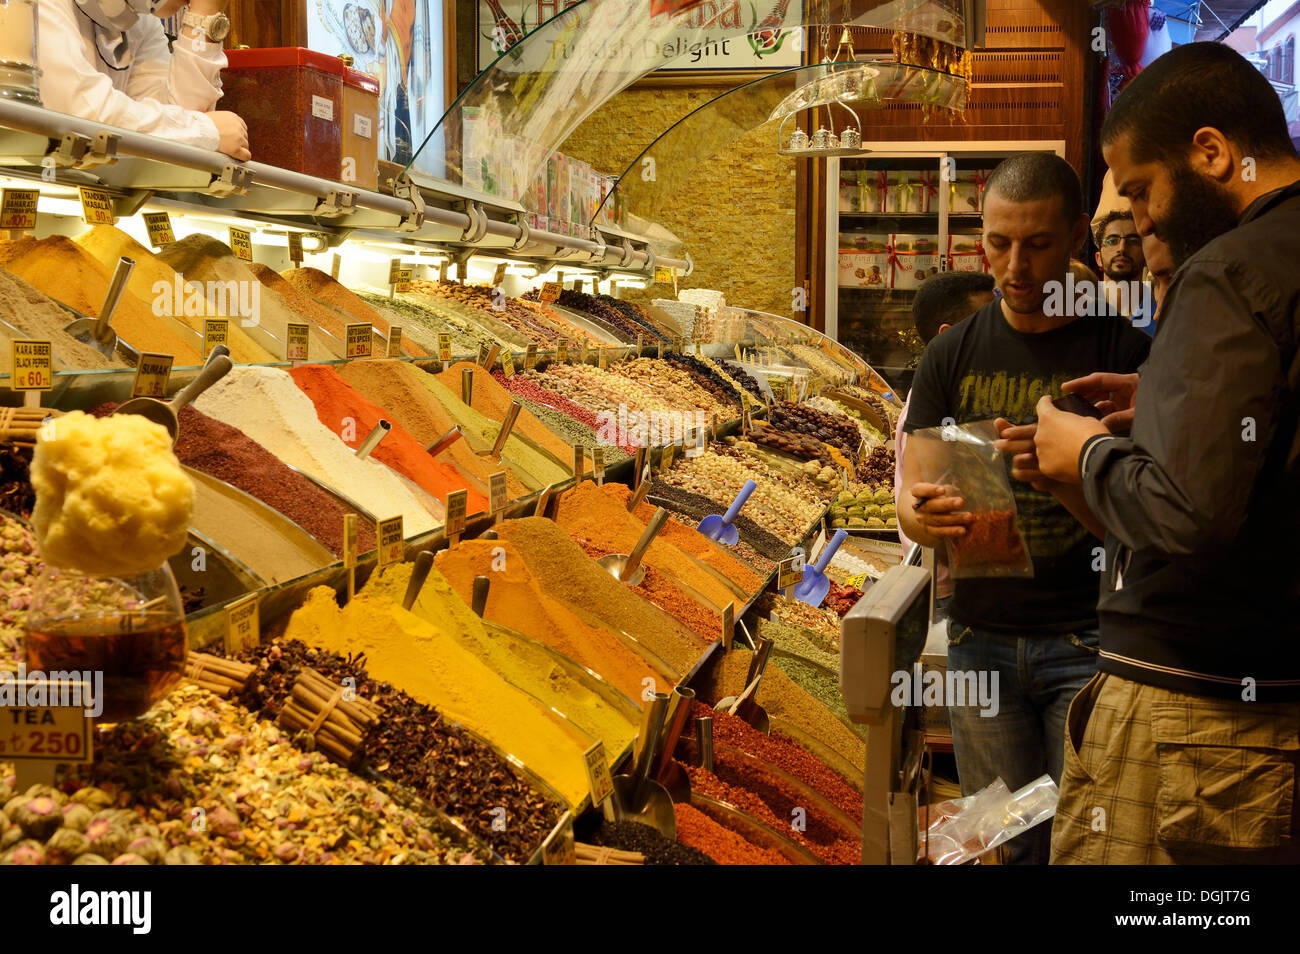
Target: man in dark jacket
1186 745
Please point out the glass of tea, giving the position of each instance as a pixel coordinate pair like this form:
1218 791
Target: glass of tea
132 629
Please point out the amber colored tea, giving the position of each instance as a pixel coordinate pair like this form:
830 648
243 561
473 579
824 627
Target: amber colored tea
140 664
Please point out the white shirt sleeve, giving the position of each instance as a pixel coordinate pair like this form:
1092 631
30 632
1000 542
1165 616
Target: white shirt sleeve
161 94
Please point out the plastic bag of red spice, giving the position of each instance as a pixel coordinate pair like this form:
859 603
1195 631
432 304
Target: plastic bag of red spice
962 458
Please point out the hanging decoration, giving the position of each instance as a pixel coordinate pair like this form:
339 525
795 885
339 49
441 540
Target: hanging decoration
914 49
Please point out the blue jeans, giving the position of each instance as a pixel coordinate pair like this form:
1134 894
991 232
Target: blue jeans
1037 677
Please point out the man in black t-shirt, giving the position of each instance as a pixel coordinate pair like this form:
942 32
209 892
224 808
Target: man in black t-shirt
1037 636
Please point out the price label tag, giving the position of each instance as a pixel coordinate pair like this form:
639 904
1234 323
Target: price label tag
663 275
389 536
530 357
667 460
335 264
579 460
33 365
216 331
562 351
602 359
297 336
395 341
602 786
394 269
598 463
789 572
661 348
349 540
462 269
457 504
403 283
577 285
96 206
241 243
497 491
242 630
739 358
558 848
295 247
151 375
444 346
508 363
18 208
499 275
639 343
550 291
491 357
442 271
47 732
358 340
859 580
728 626
482 354
159 225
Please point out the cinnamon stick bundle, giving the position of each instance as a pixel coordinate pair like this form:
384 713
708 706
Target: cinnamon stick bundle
217 675
337 725
20 425
598 855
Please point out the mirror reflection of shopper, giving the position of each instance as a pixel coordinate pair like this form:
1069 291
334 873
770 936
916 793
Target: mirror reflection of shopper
1121 260
943 301
108 60
1187 742
1038 636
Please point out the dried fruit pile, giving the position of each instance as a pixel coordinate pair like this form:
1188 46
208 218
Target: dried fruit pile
414 747
834 429
200 781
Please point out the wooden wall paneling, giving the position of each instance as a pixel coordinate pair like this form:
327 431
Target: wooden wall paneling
261 23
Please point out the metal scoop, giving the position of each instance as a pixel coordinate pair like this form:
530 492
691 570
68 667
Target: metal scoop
626 568
377 434
166 413
479 595
419 573
512 413
746 704
814 586
669 773
719 528
97 332
445 441
636 796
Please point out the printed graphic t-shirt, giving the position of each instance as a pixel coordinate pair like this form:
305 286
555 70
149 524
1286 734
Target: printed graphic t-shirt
984 368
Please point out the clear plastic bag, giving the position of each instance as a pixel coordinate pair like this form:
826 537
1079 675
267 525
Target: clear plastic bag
962 829
962 458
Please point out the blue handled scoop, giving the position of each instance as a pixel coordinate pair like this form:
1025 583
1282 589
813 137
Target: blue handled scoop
719 528
814 586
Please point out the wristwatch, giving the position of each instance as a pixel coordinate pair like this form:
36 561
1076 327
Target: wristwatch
215 27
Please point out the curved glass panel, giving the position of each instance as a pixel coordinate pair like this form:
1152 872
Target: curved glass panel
709 130
499 133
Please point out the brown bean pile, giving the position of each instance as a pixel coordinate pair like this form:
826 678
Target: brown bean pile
834 429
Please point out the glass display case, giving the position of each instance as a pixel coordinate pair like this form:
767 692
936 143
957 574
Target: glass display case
895 219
